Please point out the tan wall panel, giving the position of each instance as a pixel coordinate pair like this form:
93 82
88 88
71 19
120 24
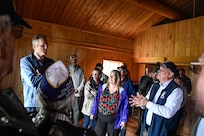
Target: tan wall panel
181 42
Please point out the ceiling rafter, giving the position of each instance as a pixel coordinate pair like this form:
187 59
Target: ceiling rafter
158 8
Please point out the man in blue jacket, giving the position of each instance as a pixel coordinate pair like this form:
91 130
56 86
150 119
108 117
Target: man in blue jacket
162 104
32 68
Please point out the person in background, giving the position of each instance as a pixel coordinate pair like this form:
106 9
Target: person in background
31 69
78 79
126 83
14 118
104 77
90 90
147 81
185 92
145 84
110 107
186 80
199 101
162 104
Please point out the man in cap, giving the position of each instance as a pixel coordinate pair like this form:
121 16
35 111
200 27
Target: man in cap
161 104
14 119
78 79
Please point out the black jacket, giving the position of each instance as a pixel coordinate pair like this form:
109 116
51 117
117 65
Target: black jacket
145 84
14 119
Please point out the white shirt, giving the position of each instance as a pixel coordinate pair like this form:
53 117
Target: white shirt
168 110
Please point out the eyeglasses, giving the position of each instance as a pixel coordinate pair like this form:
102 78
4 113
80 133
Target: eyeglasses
196 67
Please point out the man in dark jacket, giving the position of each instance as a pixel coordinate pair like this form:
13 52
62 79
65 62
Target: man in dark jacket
14 120
186 80
145 84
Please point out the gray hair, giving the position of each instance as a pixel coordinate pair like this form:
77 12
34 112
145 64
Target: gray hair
36 37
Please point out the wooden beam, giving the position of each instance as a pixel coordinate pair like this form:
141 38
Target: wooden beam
87 45
177 60
158 8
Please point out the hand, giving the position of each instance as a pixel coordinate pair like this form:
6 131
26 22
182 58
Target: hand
92 91
138 100
123 125
76 91
37 72
91 117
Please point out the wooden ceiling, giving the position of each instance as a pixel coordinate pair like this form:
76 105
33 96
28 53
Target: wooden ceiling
120 18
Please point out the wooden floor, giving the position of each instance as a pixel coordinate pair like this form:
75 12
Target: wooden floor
132 126
184 129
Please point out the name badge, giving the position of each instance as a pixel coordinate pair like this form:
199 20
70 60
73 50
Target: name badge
163 94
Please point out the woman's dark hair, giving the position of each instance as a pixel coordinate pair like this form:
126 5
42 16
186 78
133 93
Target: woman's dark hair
92 82
99 65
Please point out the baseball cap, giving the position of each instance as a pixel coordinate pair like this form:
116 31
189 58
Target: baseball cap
122 67
73 56
8 7
99 65
170 65
56 84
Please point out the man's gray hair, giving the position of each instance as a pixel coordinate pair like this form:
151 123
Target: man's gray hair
36 37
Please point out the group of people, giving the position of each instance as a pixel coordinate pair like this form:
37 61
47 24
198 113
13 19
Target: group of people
104 100
106 108
101 98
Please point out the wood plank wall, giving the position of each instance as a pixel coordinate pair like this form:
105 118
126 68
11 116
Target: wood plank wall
91 48
180 42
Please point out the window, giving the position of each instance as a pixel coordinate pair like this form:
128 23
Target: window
109 65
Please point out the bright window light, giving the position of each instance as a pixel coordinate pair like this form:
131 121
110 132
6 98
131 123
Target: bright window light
109 65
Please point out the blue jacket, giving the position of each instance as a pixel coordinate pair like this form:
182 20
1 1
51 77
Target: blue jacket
161 126
129 87
30 80
122 113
